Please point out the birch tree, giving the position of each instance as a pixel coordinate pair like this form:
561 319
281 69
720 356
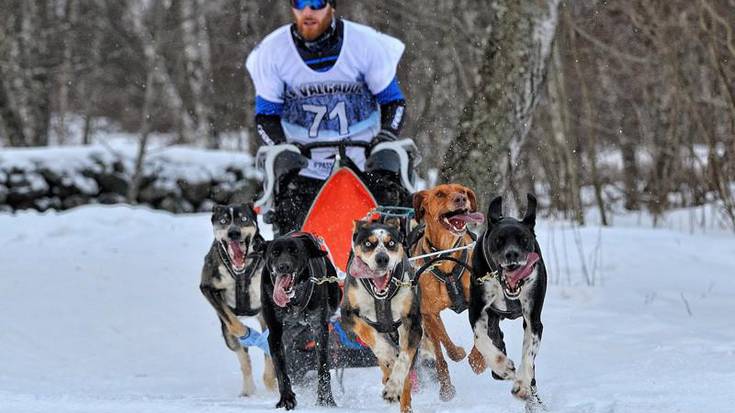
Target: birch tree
496 119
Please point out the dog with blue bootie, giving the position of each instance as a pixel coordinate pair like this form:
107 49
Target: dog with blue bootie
231 283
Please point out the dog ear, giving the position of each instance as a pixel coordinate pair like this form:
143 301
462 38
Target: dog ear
473 200
250 207
530 217
260 244
313 249
393 222
218 208
418 204
495 210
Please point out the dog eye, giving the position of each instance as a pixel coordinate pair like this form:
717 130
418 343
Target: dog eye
223 221
391 243
440 195
244 219
367 244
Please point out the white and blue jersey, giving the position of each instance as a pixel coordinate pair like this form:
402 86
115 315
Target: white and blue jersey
330 105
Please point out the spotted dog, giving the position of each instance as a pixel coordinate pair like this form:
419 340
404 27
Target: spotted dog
231 282
382 305
508 281
445 211
299 287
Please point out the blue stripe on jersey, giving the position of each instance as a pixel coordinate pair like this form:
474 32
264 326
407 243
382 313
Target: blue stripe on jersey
391 93
323 59
266 107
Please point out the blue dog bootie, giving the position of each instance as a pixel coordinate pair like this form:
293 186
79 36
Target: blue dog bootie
255 339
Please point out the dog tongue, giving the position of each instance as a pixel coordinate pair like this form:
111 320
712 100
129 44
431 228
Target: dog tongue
238 260
359 269
279 290
473 217
514 277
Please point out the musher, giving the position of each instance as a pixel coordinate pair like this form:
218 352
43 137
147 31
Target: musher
326 79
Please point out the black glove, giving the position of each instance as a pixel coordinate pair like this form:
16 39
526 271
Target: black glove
383 136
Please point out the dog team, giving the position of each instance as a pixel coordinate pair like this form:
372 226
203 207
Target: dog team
396 286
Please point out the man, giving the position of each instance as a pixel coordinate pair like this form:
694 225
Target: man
323 79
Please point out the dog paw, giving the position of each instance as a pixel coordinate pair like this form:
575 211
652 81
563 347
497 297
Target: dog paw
247 390
477 361
288 401
392 391
504 368
457 354
447 392
522 390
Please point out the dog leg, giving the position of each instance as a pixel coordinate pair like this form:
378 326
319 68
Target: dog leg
269 374
398 386
384 350
248 386
477 362
455 353
501 365
324 389
275 342
524 386
214 296
447 390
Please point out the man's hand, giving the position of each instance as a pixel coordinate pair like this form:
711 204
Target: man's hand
383 136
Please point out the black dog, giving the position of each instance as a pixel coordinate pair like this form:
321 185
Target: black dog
299 286
508 281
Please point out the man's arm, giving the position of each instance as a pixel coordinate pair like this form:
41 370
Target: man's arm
392 112
268 121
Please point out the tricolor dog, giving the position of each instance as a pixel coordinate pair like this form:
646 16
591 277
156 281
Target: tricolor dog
231 283
381 304
508 281
299 287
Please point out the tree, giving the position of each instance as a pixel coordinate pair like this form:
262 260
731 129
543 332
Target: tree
496 119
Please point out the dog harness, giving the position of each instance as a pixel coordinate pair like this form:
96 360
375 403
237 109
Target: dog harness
242 280
383 312
452 280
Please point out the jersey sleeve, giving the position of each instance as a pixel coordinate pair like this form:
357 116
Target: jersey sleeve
384 53
268 83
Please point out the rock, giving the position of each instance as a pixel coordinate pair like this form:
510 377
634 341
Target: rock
195 192
3 194
52 177
206 206
176 205
157 191
113 183
25 188
74 201
109 198
46 203
222 193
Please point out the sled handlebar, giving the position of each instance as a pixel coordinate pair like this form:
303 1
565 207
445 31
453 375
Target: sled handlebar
341 145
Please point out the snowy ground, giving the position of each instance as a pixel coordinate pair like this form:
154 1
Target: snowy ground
100 312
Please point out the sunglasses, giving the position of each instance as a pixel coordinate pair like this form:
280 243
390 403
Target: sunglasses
314 4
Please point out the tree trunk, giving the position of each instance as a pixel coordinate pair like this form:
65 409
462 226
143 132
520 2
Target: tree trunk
496 119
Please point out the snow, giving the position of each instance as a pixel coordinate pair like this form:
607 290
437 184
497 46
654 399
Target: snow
100 312
172 162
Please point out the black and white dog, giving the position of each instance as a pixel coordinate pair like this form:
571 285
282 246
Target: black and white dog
299 287
382 304
508 281
231 283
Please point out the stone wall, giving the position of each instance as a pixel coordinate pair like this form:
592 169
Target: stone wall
179 180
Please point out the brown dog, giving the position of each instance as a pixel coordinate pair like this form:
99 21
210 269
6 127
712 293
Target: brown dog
445 210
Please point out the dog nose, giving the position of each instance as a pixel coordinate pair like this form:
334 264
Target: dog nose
512 256
459 199
284 267
382 260
234 234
